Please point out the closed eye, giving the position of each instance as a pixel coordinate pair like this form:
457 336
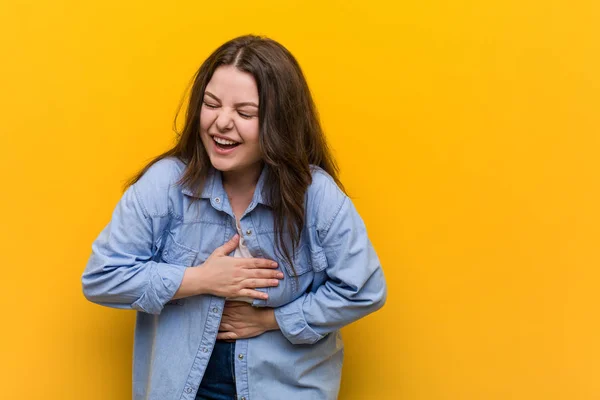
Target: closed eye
211 105
244 115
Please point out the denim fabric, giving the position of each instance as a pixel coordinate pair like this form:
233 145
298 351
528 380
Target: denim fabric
159 229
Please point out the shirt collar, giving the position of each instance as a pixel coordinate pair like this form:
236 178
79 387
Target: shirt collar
213 187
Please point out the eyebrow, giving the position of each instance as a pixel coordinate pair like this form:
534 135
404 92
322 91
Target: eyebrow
246 103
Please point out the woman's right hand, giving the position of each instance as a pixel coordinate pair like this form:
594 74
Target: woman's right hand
225 276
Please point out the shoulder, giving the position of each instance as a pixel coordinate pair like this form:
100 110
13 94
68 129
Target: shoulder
324 199
324 185
156 188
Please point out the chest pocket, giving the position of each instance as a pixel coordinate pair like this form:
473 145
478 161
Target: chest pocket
293 285
176 253
302 262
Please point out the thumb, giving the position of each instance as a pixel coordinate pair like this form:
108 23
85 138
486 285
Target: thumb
228 247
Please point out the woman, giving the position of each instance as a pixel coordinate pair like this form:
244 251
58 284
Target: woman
251 175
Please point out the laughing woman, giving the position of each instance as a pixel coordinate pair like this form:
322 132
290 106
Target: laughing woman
238 247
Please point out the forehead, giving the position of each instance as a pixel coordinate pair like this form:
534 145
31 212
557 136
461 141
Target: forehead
230 84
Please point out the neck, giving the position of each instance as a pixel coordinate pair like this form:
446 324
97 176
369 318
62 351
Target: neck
237 182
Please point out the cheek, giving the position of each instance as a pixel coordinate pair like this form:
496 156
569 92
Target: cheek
206 119
249 130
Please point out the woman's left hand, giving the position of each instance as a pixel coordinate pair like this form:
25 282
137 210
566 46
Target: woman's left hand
241 320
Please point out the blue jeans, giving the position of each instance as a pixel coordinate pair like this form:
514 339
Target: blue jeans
218 382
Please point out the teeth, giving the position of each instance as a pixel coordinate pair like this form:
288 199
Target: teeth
223 141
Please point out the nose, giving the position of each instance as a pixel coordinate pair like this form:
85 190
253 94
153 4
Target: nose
224 122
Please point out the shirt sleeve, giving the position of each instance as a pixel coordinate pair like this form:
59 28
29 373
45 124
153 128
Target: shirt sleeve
119 272
355 286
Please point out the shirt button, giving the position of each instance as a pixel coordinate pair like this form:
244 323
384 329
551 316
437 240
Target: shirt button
217 200
241 356
205 350
188 390
166 252
215 310
248 232
242 398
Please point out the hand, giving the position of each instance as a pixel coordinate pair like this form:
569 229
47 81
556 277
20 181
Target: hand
225 276
241 321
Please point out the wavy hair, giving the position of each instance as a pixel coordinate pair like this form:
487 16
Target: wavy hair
290 134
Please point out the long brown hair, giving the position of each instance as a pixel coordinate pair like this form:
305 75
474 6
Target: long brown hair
290 134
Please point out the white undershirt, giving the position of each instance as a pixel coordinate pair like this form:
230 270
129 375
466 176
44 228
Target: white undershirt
241 252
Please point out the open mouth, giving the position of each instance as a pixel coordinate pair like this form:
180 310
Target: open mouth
225 144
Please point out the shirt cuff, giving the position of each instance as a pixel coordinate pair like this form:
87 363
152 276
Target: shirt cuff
163 283
293 325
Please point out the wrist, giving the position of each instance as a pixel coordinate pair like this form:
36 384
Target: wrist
269 320
192 284
200 280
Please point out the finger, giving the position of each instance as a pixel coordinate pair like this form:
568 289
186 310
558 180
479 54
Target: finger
255 294
234 304
256 283
228 247
225 327
226 336
258 263
265 274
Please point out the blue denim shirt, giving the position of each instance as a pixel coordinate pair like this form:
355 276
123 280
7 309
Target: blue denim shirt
157 231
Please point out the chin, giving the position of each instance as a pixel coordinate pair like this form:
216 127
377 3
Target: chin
223 165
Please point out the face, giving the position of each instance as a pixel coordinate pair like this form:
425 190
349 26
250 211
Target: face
229 121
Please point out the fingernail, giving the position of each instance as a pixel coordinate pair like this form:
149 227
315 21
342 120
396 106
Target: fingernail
274 264
280 275
275 282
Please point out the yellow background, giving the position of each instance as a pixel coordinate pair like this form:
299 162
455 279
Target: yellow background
468 133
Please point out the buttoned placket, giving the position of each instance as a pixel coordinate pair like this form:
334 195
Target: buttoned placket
207 342
221 203
213 320
241 346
